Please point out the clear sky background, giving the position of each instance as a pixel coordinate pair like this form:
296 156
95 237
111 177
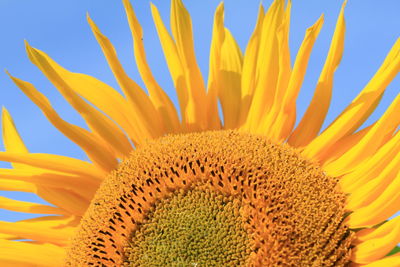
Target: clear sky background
60 29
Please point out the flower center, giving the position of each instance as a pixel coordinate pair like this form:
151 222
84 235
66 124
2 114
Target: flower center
192 228
218 197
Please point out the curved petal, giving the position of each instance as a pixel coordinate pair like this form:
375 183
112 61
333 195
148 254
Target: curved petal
146 117
315 114
370 143
181 27
37 232
361 107
383 206
29 207
376 248
160 99
93 147
14 253
267 66
249 69
286 116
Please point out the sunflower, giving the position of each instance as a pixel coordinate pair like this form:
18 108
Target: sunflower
195 189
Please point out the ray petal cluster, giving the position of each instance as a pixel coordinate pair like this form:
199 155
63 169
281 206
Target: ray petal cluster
257 90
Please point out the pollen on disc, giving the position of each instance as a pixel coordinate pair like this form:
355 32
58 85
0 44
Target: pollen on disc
193 228
158 208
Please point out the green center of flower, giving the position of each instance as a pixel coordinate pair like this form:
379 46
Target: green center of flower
193 228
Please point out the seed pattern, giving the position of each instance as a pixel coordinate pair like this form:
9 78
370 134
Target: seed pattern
293 212
197 227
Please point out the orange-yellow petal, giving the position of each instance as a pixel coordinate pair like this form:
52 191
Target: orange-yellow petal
28 207
173 61
55 163
286 117
377 247
181 27
106 129
146 117
384 206
368 192
64 199
10 185
343 145
100 95
391 261
93 147
160 99
361 107
31 178
371 142
249 69
267 66
37 232
13 253
377 232
285 70
229 76
218 37
315 114
371 167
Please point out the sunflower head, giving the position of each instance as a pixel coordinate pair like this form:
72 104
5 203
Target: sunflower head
193 188
214 198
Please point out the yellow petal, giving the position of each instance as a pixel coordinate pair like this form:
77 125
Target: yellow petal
369 191
361 107
14 143
391 261
13 253
248 81
286 117
8 237
367 146
225 72
173 61
109 132
218 37
146 117
343 145
99 94
285 70
372 167
82 185
37 232
55 163
181 26
229 77
65 223
94 148
29 207
315 114
267 66
55 222
9 185
64 199
391 56
379 232
376 248
383 207
69 192
11 137
160 99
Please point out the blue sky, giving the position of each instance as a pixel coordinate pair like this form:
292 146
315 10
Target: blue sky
59 28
